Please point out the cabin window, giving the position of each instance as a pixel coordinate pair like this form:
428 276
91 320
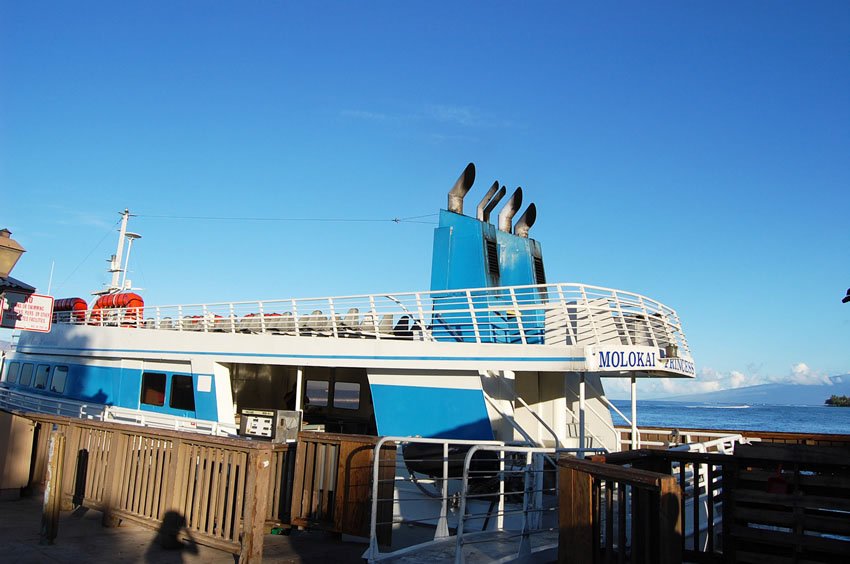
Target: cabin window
60 376
26 374
12 370
182 393
153 388
41 374
317 393
347 395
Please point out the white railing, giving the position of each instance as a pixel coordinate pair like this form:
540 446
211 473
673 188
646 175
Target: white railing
11 399
552 314
457 494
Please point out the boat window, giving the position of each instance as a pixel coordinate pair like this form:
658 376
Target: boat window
347 395
153 388
12 370
317 393
41 374
182 393
60 376
26 374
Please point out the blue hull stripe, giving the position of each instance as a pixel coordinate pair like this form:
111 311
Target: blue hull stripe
320 356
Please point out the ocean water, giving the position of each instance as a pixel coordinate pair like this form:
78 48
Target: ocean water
697 415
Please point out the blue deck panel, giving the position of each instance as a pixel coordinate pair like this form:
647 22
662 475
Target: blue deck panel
444 413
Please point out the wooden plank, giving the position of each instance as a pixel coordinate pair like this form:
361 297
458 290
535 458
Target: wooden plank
239 489
146 455
298 480
72 447
114 475
206 464
791 500
790 539
804 454
215 481
306 511
642 478
223 480
575 541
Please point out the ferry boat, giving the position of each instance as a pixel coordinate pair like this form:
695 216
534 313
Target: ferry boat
492 351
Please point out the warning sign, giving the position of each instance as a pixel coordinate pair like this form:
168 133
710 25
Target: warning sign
31 312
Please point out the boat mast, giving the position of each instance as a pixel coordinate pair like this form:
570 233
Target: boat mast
115 267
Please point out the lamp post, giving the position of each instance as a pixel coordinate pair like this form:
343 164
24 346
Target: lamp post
10 252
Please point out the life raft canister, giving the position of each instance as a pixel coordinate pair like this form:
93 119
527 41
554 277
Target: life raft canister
75 306
130 304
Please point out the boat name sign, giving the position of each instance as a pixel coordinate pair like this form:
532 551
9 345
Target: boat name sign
639 358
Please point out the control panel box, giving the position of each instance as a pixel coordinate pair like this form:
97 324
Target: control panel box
276 425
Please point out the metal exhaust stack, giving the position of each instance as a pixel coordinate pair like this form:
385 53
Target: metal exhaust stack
461 187
485 213
483 203
509 211
526 221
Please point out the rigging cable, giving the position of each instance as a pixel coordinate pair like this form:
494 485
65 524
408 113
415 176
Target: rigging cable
76 268
411 219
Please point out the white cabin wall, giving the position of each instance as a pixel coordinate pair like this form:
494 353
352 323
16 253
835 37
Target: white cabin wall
499 387
225 404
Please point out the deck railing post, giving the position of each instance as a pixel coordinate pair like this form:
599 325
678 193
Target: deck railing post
518 314
53 489
575 535
670 529
256 499
332 317
442 531
473 317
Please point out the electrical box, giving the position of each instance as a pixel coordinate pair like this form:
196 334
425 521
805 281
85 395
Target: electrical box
275 425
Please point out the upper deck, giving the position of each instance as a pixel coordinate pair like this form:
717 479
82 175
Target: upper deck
612 330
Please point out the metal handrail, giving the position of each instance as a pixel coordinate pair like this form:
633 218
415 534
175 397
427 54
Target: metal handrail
560 314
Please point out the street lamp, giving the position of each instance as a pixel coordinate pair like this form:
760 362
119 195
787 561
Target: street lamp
10 252
847 297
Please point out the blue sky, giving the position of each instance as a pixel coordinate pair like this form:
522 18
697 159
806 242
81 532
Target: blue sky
698 153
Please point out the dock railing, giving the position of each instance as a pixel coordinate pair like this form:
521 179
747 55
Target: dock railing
212 490
559 314
608 513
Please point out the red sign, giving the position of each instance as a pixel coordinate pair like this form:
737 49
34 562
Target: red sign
31 312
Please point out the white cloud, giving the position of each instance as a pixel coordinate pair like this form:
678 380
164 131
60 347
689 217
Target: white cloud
802 374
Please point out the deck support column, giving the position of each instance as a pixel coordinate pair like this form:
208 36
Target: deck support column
299 381
635 442
581 430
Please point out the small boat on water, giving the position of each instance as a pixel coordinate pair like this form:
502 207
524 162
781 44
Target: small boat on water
492 351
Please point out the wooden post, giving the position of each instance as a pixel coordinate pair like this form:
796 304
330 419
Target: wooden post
575 538
53 488
256 498
670 522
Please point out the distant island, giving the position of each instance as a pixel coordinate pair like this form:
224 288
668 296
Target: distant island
839 401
